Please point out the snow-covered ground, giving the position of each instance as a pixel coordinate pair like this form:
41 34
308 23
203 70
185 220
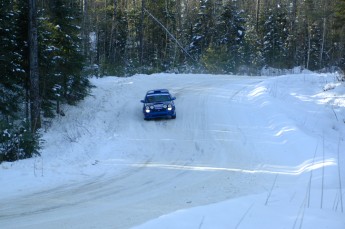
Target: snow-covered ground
243 152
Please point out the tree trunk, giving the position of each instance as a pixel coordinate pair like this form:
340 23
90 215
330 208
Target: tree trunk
322 42
141 35
86 29
35 105
113 35
309 46
257 14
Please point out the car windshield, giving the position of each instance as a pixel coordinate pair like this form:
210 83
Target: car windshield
158 98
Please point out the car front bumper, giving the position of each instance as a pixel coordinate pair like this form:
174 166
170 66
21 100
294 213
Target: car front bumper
160 114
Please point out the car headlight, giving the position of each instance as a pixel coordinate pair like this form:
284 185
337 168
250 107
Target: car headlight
169 107
152 107
147 109
165 106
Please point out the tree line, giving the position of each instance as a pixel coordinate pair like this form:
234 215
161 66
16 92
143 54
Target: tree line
215 36
50 47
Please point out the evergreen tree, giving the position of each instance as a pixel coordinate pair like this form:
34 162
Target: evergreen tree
61 56
66 17
117 51
253 56
226 53
12 73
340 13
203 29
275 40
17 141
313 43
109 31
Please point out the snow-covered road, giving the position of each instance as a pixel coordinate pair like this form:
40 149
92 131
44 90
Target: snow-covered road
103 166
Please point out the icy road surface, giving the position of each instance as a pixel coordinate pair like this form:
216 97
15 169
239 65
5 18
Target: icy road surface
103 166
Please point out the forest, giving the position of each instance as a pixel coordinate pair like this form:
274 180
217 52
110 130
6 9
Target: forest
50 48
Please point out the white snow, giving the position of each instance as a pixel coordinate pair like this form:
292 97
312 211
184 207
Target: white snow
243 152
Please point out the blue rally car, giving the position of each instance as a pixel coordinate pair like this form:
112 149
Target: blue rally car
159 104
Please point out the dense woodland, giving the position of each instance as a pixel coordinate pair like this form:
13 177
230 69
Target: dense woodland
49 48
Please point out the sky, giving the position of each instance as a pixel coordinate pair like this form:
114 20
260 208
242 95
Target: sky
243 152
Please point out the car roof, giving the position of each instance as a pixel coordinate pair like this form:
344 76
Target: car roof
158 91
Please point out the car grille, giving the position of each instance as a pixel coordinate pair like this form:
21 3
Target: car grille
159 109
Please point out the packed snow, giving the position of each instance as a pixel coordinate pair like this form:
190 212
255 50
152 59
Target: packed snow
243 152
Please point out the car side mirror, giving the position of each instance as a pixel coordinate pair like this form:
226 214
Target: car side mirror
173 98
143 101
